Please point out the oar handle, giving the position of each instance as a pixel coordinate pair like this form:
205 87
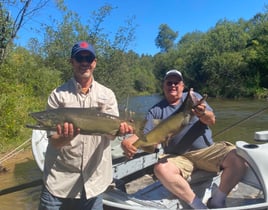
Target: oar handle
21 187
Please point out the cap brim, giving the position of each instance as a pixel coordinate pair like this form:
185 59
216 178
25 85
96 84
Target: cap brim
173 74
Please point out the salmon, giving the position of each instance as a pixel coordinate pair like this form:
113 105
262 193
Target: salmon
170 126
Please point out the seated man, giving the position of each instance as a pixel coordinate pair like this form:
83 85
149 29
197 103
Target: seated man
201 152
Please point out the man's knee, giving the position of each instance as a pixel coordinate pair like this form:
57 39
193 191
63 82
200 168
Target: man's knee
234 160
158 168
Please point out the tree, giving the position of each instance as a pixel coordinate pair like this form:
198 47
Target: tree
25 84
5 30
165 38
258 47
9 26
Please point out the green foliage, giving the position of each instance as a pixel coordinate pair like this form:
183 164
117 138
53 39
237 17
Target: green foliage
114 72
16 101
259 45
262 93
230 60
11 24
220 62
145 82
23 67
25 85
165 38
5 31
5 27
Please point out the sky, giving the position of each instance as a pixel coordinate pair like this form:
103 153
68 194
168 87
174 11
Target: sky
182 16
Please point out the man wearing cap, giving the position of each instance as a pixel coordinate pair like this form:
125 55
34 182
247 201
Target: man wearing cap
192 148
78 168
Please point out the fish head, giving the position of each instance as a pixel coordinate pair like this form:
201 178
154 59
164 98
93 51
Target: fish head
47 118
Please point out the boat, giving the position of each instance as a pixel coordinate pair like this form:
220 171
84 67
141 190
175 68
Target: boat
136 188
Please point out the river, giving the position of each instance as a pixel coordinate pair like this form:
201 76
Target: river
235 120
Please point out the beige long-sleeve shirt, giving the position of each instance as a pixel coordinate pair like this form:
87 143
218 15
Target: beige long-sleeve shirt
86 161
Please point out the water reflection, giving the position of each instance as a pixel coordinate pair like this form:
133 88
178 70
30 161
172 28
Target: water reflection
239 119
229 113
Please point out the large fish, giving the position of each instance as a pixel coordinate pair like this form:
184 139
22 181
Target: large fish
90 120
170 126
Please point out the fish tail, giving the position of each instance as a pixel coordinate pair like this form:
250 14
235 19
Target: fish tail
142 145
137 144
203 99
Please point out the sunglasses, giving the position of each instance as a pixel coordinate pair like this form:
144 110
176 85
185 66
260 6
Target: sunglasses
81 58
170 83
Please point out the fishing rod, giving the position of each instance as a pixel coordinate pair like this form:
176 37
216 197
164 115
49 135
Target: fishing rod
34 183
240 121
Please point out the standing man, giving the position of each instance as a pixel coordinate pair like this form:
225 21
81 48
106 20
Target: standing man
177 165
78 168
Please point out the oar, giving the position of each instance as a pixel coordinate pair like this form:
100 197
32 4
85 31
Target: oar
240 121
21 187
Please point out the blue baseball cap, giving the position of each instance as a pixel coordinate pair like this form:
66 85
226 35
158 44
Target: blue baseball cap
82 46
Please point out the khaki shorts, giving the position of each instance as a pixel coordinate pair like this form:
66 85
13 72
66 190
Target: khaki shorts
208 159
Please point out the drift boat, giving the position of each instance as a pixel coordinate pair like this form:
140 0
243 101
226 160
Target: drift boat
134 186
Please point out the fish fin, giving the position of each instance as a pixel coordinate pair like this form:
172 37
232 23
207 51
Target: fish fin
137 144
165 143
186 119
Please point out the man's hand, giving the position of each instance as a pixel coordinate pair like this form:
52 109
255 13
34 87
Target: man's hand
127 146
125 129
200 110
204 115
64 135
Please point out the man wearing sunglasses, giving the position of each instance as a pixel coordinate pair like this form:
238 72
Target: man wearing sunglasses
78 168
201 152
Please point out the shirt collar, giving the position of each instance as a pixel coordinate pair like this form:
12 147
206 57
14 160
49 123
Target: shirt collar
78 87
